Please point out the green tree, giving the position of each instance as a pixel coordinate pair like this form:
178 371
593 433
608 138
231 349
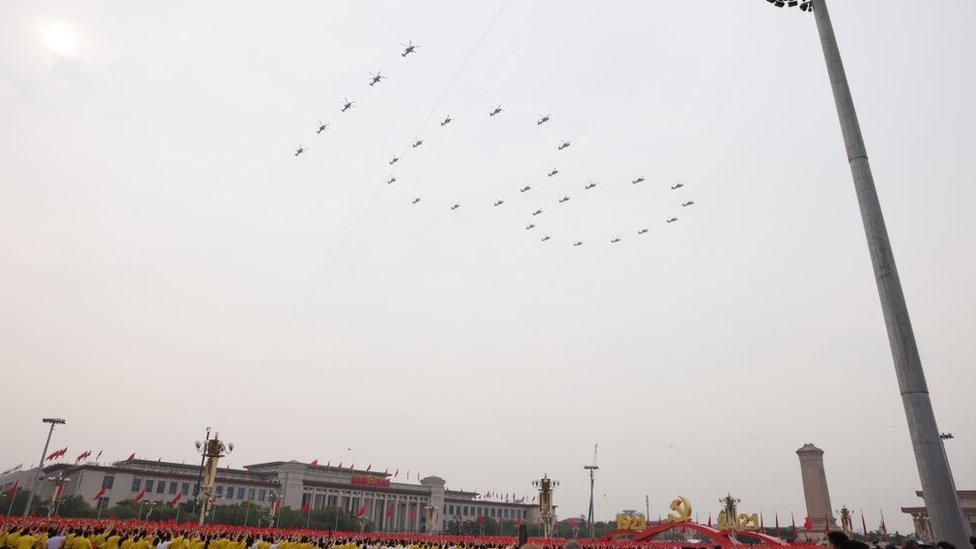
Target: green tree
320 519
19 502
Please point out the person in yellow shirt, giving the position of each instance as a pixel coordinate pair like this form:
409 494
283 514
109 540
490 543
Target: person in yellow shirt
26 541
13 538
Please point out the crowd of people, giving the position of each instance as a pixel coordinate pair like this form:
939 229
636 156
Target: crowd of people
840 540
59 533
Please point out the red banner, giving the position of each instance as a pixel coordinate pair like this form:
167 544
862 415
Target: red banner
368 480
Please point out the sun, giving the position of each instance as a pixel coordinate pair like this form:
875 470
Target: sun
60 39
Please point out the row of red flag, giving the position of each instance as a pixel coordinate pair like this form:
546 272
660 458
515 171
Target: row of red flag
395 474
808 523
57 454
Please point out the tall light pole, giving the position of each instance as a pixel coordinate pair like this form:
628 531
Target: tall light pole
592 468
40 465
938 487
589 517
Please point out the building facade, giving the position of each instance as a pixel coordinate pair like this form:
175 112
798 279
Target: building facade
391 505
920 515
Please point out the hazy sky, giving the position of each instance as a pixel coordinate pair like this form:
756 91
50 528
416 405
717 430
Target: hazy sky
164 259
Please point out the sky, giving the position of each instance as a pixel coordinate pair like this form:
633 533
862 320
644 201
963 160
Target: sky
168 263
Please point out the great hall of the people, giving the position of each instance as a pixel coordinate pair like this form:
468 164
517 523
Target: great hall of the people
390 505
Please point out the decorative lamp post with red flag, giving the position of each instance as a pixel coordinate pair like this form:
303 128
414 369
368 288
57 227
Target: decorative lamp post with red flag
59 481
547 511
212 450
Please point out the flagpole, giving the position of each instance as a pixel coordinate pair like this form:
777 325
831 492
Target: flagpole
10 508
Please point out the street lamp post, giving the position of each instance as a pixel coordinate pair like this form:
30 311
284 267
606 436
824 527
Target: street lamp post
938 486
40 465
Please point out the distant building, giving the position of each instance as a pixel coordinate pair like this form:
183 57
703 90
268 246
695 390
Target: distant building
391 505
920 515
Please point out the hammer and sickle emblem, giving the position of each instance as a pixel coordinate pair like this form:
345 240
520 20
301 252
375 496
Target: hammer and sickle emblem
681 508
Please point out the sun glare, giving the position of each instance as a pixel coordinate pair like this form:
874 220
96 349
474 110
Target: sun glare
59 38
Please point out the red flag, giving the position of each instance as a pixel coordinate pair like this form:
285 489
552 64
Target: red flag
62 452
314 463
389 511
807 523
306 506
175 500
362 511
100 493
131 457
139 496
13 489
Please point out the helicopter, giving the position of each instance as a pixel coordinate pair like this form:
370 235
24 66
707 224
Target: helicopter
417 143
553 172
415 200
300 150
394 160
530 226
564 199
391 179
677 186
455 206
497 110
642 231
408 48
537 212
577 243
590 185
638 180
375 79
562 146
498 203
525 188
446 121
322 127
689 203
347 105
546 238
615 240
672 219
543 120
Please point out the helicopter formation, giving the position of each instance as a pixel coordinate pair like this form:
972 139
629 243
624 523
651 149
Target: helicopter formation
409 48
